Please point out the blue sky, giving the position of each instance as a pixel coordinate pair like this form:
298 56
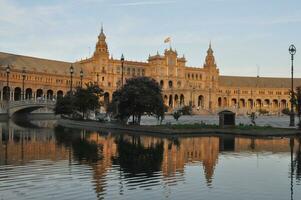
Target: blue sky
245 34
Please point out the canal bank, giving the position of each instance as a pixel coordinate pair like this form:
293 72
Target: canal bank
167 130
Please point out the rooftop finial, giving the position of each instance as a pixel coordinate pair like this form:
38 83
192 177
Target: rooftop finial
101 30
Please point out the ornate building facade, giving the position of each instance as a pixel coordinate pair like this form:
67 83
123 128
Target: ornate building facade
202 86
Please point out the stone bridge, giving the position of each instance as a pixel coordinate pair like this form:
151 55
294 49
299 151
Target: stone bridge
27 106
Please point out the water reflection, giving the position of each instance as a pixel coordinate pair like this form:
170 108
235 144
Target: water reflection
135 157
129 162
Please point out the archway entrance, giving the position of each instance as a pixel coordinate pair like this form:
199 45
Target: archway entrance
59 94
6 93
176 100
106 99
219 102
28 93
39 93
170 101
182 100
49 94
17 94
201 101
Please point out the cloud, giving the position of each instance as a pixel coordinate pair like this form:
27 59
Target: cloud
144 3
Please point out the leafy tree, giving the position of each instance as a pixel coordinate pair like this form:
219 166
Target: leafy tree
64 105
176 115
82 100
297 103
139 96
286 111
186 110
86 99
253 117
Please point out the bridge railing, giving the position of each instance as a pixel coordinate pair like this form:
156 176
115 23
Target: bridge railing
32 101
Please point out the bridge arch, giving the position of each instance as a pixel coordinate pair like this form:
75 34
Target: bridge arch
27 106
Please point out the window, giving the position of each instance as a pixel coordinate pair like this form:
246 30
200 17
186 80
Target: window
170 84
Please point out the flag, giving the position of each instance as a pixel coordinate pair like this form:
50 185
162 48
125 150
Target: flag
167 40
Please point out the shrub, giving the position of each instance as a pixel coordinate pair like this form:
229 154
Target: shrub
286 111
253 117
186 110
176 115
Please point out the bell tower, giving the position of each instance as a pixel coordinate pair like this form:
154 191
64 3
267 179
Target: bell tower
210 60
101 49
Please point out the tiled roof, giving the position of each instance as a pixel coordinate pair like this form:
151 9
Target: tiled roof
262 82
37 64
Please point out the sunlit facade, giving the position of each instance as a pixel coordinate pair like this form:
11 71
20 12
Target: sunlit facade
200 86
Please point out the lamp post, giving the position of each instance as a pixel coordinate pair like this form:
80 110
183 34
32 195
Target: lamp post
23 81
122 62
7 83
81 78
292 50
71 74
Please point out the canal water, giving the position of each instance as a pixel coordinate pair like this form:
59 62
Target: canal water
39 160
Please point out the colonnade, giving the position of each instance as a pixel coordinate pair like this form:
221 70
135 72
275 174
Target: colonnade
16 94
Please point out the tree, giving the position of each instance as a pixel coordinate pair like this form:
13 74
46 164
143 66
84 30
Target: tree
64 105
176 115
253 117
139 96
186 110
82 100
297 103
87 99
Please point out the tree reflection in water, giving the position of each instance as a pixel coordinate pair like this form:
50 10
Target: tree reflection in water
83 150
297 162
134 158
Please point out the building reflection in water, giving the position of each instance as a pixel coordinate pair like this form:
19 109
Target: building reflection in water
146 156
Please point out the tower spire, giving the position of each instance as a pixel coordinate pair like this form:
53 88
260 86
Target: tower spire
101 45
210 60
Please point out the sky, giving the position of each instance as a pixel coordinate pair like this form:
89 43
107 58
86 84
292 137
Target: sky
247 36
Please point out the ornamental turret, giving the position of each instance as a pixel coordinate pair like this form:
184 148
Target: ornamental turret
101 48
210 60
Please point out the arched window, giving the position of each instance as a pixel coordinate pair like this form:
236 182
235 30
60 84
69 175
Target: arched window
170 84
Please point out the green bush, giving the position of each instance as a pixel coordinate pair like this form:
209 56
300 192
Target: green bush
186 110
286 111
176 115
